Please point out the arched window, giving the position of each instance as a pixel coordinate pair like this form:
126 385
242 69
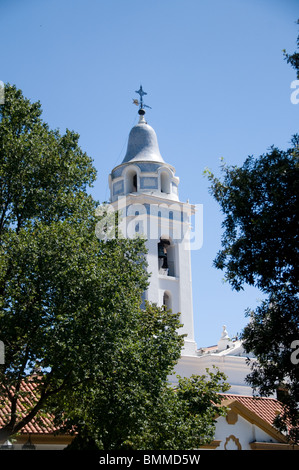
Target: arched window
162 257
165 182
137 225
166 257
134 183
167 300
131 185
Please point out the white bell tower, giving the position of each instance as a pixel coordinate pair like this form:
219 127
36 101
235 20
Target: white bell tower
144 187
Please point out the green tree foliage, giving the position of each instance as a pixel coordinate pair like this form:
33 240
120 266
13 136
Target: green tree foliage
66 299
185 417
132 405
259 201
293 59
111 410
70 303
260 247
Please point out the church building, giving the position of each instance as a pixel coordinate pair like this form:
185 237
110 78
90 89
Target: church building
145 188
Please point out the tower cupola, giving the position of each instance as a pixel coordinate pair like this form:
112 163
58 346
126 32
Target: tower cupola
143 143
143 170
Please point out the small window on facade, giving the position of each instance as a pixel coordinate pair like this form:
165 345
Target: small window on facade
162 257
131 181
166 261
134 183
165 183
167 300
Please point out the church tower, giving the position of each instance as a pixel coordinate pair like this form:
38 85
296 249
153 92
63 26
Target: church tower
145 190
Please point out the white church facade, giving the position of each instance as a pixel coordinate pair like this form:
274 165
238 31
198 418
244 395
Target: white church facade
145 189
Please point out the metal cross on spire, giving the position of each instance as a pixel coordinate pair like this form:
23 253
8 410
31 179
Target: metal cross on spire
140 103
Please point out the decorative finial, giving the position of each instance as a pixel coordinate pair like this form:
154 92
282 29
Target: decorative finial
140 103
224 332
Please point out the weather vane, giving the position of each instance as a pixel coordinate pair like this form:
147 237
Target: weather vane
140 103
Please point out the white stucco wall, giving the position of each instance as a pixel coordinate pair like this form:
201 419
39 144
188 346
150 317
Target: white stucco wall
234 367
243 431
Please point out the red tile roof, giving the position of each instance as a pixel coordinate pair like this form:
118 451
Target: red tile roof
41 424
264 407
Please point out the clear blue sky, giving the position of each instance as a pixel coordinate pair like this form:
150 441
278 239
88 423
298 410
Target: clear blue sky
216 81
